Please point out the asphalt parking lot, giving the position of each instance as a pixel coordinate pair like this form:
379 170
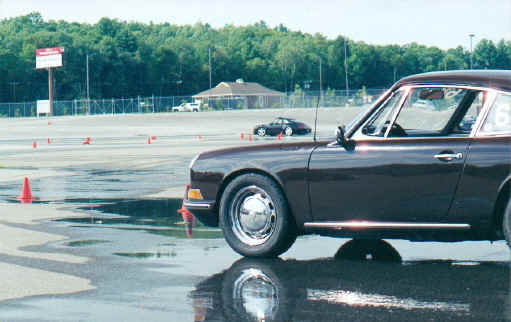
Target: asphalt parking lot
103 240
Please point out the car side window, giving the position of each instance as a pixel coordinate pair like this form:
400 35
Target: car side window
470 117
427 111
498 120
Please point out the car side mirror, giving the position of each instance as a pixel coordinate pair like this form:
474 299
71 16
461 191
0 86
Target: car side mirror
342 140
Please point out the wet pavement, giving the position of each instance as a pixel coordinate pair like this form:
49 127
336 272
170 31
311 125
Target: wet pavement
98 183
145 266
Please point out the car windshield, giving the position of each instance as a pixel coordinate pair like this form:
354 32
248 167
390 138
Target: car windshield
357 118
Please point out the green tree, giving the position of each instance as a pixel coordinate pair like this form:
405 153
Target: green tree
485 55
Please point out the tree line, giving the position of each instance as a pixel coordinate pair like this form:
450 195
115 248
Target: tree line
130 59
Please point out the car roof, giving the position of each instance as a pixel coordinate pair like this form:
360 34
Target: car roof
284 118
496 79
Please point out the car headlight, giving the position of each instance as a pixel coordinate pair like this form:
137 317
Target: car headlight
193 161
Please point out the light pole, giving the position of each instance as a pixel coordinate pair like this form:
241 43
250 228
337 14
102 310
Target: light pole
14 84
209 58
320 79
346 66
178 82
88 93
471 36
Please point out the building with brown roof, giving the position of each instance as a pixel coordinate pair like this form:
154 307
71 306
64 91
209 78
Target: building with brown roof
238 95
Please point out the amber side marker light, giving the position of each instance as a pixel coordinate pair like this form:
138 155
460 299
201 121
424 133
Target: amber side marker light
195 194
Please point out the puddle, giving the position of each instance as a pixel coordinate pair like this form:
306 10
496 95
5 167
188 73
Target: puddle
85 243
145 255
90 183
158 216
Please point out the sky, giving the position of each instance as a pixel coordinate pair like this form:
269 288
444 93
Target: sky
441 23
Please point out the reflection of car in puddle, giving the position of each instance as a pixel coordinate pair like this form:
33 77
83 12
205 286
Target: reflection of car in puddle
334 289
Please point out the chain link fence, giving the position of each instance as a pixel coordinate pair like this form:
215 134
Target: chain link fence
154 104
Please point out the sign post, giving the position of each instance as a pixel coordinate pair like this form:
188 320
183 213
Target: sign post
49 58
50 91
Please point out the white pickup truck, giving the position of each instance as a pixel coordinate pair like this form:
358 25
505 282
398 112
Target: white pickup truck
187 107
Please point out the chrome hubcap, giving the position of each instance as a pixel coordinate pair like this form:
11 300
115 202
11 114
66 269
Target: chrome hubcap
253 215
261 132
289 131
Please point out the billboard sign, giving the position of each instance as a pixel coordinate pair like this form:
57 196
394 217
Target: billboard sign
43 107
48 57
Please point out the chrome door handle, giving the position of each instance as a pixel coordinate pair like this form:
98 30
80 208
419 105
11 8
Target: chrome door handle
449 156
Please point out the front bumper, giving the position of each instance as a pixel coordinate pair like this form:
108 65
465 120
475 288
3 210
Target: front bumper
204 211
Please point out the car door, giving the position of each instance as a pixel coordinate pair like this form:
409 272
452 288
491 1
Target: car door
405 173
275 127
488 165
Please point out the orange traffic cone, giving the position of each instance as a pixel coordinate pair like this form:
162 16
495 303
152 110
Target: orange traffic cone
26 192
148 140
199 137
87 140
153 137
279 137
34 145
49 142
250 137
242 136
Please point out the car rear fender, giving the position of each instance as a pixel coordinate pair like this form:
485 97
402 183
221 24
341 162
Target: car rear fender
504 196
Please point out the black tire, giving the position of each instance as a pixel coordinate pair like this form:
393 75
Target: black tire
279 230
506 224
261 131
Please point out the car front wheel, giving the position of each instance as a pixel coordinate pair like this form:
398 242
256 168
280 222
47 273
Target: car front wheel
255 217
288 131
261 131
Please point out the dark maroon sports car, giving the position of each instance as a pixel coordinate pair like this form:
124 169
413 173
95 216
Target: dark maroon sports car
429 161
